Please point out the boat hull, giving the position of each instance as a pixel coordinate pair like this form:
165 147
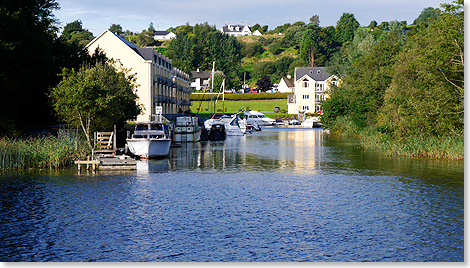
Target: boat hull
149 148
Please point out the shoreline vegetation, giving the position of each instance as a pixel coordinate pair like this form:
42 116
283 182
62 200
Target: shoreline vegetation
42 152
449 147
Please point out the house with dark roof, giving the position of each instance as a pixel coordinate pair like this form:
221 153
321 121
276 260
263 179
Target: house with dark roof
286 85
200 80
159 84
163 35
236 30
311 86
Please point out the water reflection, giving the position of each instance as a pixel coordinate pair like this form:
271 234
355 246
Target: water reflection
283 194
299 151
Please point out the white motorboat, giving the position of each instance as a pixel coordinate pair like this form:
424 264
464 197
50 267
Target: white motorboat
234 125
150 139
312 122
259 118
187 129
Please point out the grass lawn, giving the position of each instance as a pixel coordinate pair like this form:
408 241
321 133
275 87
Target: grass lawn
234 106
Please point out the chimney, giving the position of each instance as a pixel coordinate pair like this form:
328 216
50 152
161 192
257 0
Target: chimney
289 76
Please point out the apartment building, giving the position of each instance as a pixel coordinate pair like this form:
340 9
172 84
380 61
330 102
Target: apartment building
159 83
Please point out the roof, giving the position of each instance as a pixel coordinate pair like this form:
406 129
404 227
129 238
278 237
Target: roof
289 82
316 73
161 32
233 28
147 54
201 74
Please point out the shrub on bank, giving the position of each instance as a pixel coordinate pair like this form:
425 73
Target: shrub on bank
42 152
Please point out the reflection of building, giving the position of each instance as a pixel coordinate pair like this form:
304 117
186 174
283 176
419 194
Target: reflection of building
310 84
159 84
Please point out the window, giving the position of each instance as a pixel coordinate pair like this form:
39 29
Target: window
318 87
305 83
305 108
305 97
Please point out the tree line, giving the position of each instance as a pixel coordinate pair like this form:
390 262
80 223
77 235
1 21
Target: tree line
402 86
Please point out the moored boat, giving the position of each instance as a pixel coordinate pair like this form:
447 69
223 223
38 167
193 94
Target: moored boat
187 129
150 139
312 122
233 125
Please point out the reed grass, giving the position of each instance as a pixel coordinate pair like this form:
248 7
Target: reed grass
450 147
42 152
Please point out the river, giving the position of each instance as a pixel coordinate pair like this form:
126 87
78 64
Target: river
282 194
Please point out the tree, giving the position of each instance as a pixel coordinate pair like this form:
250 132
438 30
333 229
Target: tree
201 47
31 56
317 45
116 28
428 14
372 24
368 78
218 79
95 97
426 96
75 34
341 62
345 28
264 83
263 29
315 20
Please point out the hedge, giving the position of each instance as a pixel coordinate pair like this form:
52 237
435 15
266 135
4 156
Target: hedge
240 96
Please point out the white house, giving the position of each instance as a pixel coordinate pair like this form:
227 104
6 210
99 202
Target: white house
310 86
159 84
200 80
286 85
163 35
236 30
257 33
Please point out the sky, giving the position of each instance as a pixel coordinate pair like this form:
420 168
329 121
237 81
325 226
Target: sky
136 15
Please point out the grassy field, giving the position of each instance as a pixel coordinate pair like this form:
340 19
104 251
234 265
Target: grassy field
235 106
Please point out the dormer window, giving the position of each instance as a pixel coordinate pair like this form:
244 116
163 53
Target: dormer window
305 83
318 72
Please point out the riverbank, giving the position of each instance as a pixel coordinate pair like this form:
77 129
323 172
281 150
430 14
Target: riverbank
41 152
450 147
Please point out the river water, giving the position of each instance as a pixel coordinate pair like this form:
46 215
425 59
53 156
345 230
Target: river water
282 194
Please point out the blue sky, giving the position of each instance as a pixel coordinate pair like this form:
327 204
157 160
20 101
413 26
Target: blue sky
136 15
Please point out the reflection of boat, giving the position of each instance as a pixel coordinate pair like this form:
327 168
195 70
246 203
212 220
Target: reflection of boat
252 127
233 125
217 132
312 122
259 118
186 129
150 139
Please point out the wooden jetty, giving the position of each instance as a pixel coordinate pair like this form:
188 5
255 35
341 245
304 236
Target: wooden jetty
105 157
